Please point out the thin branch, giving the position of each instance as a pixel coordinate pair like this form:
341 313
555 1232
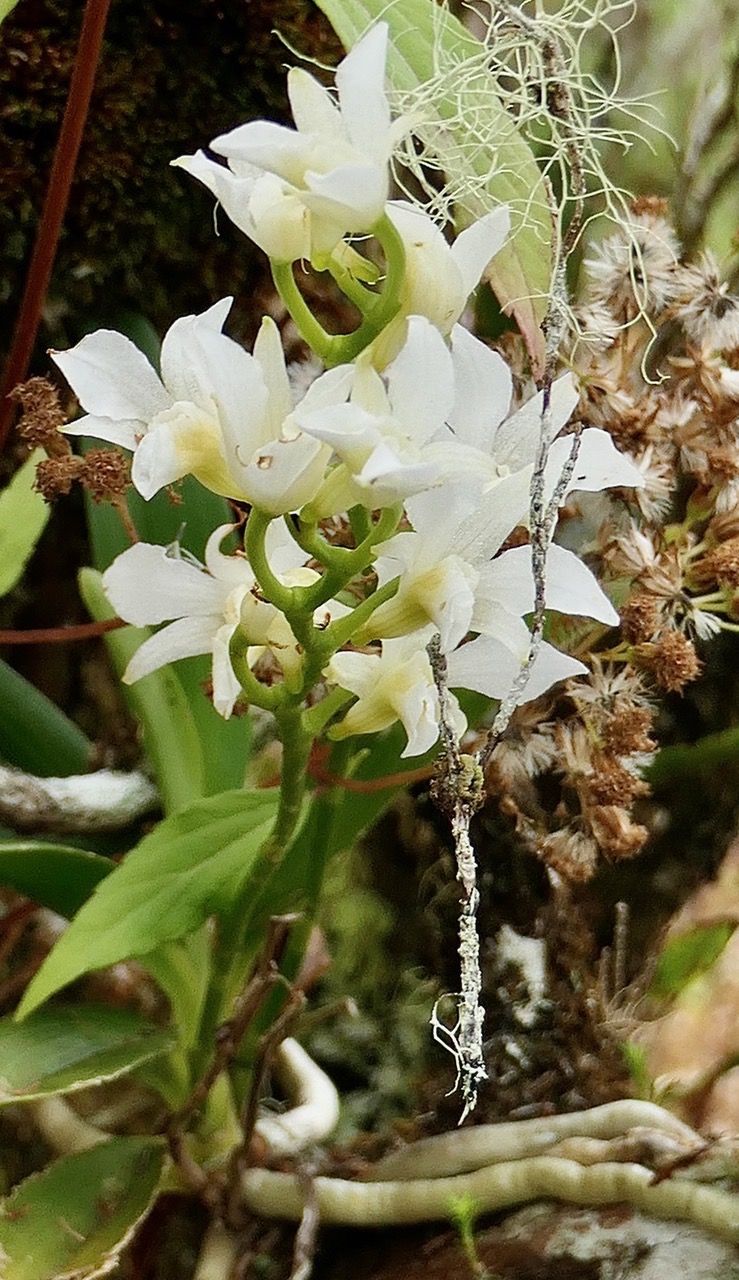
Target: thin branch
55 205
459 793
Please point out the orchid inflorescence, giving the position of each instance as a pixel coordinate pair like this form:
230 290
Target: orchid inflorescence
380 500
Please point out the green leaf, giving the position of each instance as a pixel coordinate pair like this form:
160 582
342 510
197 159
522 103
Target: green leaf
23 518
159 704
193 865
54 875
73 1219
66 1048
520 274
34 734
687 956
6 7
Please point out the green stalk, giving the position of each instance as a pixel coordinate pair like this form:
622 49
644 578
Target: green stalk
283 598
343 348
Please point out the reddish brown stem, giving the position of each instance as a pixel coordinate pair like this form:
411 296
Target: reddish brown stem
61 635
55 205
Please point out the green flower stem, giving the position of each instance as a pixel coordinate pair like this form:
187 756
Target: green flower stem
307 536
341 569
313 332
296 744
361 524
318 716
257 694
363 300
343 348
283 598
341 631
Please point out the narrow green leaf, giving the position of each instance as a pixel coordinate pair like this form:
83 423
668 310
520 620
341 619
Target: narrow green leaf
6 7
66 1048
54 875
72 1220
520 273
193 865
23 518
34 734
687 956
183 968
159 704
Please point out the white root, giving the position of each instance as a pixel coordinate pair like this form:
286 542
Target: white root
316 1111
219 1253
64 1129
499 1186
462 1151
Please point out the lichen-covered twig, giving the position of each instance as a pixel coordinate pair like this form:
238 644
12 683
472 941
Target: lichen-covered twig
458 791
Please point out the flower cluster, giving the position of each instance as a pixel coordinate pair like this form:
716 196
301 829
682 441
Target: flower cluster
380 501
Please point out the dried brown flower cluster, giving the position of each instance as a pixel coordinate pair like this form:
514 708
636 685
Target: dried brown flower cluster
657 356
103 473
663 380
569 769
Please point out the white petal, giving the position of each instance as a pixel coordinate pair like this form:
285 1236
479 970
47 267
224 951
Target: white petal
483 388
478 244
269 355
501 507
146 586
266 145
157 462
352 194
226 687
313 108
517 440
332 387
233 570
508 582
599 465
490 664
114 431
201 365
112 378
360 81
286 474
283 552
421 380
182 639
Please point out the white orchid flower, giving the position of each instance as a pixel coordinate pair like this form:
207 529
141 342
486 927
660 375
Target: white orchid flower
217 412
396 685
440 277
449 574
297 192
379 435
148 585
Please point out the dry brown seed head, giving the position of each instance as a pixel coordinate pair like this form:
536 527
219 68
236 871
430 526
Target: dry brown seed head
616 832
104 474
642 616
672 660
41 416
571 853
627 731
55 476
612 784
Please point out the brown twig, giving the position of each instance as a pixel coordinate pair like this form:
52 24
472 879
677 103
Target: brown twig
230 1034
62 635
55 205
